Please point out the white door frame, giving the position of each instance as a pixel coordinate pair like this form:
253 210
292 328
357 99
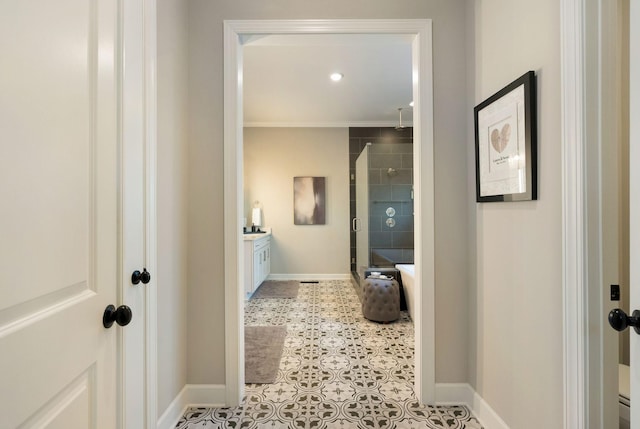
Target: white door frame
234 31
151 216
573 215
587 82
634 202
138 145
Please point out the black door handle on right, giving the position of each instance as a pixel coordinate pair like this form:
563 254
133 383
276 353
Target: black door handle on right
619 320
138 277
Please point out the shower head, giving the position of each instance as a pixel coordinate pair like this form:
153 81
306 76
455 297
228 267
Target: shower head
400 126
392 172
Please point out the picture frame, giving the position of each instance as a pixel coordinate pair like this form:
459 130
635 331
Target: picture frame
506 143
309 200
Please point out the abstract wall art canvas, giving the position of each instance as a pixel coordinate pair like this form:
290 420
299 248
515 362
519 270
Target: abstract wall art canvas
309 202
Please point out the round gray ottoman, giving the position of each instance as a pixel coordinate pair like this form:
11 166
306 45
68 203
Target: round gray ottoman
381 300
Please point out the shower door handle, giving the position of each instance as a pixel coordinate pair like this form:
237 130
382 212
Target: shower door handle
354 224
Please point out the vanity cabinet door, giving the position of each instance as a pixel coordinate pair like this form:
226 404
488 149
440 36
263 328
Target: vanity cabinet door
262 266
267 260
248 267
257 269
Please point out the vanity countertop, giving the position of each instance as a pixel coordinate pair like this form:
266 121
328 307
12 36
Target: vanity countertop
257 236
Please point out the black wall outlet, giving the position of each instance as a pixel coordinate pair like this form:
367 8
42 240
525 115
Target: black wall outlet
615 292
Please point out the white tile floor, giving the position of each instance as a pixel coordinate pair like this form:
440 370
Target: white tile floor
338 370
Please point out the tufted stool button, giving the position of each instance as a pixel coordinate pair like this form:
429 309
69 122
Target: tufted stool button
381 300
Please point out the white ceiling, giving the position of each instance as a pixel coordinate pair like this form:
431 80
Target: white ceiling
286 80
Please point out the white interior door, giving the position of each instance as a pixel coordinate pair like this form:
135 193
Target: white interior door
361 222
62 258
634 204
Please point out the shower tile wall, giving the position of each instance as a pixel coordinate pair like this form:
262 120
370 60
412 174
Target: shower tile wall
390 149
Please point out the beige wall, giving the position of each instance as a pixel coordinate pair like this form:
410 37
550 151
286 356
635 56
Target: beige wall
518 355
172 200
206 293
272 157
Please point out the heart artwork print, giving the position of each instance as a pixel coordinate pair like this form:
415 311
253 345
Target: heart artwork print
500 138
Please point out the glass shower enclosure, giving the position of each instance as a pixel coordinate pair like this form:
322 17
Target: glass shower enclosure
383 219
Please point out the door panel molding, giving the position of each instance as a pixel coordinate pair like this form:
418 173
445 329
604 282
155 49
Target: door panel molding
21 315
64 407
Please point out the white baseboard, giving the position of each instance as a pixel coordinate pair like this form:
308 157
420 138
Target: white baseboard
192 395
486 415
463 393
307 277
454 394
213 395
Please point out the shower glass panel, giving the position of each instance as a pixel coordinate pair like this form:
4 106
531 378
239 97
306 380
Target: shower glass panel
360 223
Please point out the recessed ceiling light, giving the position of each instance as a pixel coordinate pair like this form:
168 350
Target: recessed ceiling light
411 104
336 76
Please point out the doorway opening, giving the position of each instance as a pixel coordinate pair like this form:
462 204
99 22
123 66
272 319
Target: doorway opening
235 33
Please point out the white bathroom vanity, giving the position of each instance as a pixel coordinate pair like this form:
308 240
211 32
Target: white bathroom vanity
257 260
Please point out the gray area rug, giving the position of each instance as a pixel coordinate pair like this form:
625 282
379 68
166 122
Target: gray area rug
262 352
277 289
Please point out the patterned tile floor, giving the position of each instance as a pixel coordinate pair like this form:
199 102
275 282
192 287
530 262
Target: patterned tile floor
338 370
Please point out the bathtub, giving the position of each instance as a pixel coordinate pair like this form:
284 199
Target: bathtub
408 273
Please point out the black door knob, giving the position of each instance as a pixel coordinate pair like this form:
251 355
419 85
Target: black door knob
619 320
144 277
122 315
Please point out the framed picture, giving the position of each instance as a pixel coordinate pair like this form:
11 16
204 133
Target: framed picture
506 146
309 201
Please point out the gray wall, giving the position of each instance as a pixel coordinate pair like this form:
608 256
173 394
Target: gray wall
516 365
206 294
172 200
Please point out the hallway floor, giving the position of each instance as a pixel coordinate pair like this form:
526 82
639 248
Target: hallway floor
338 370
